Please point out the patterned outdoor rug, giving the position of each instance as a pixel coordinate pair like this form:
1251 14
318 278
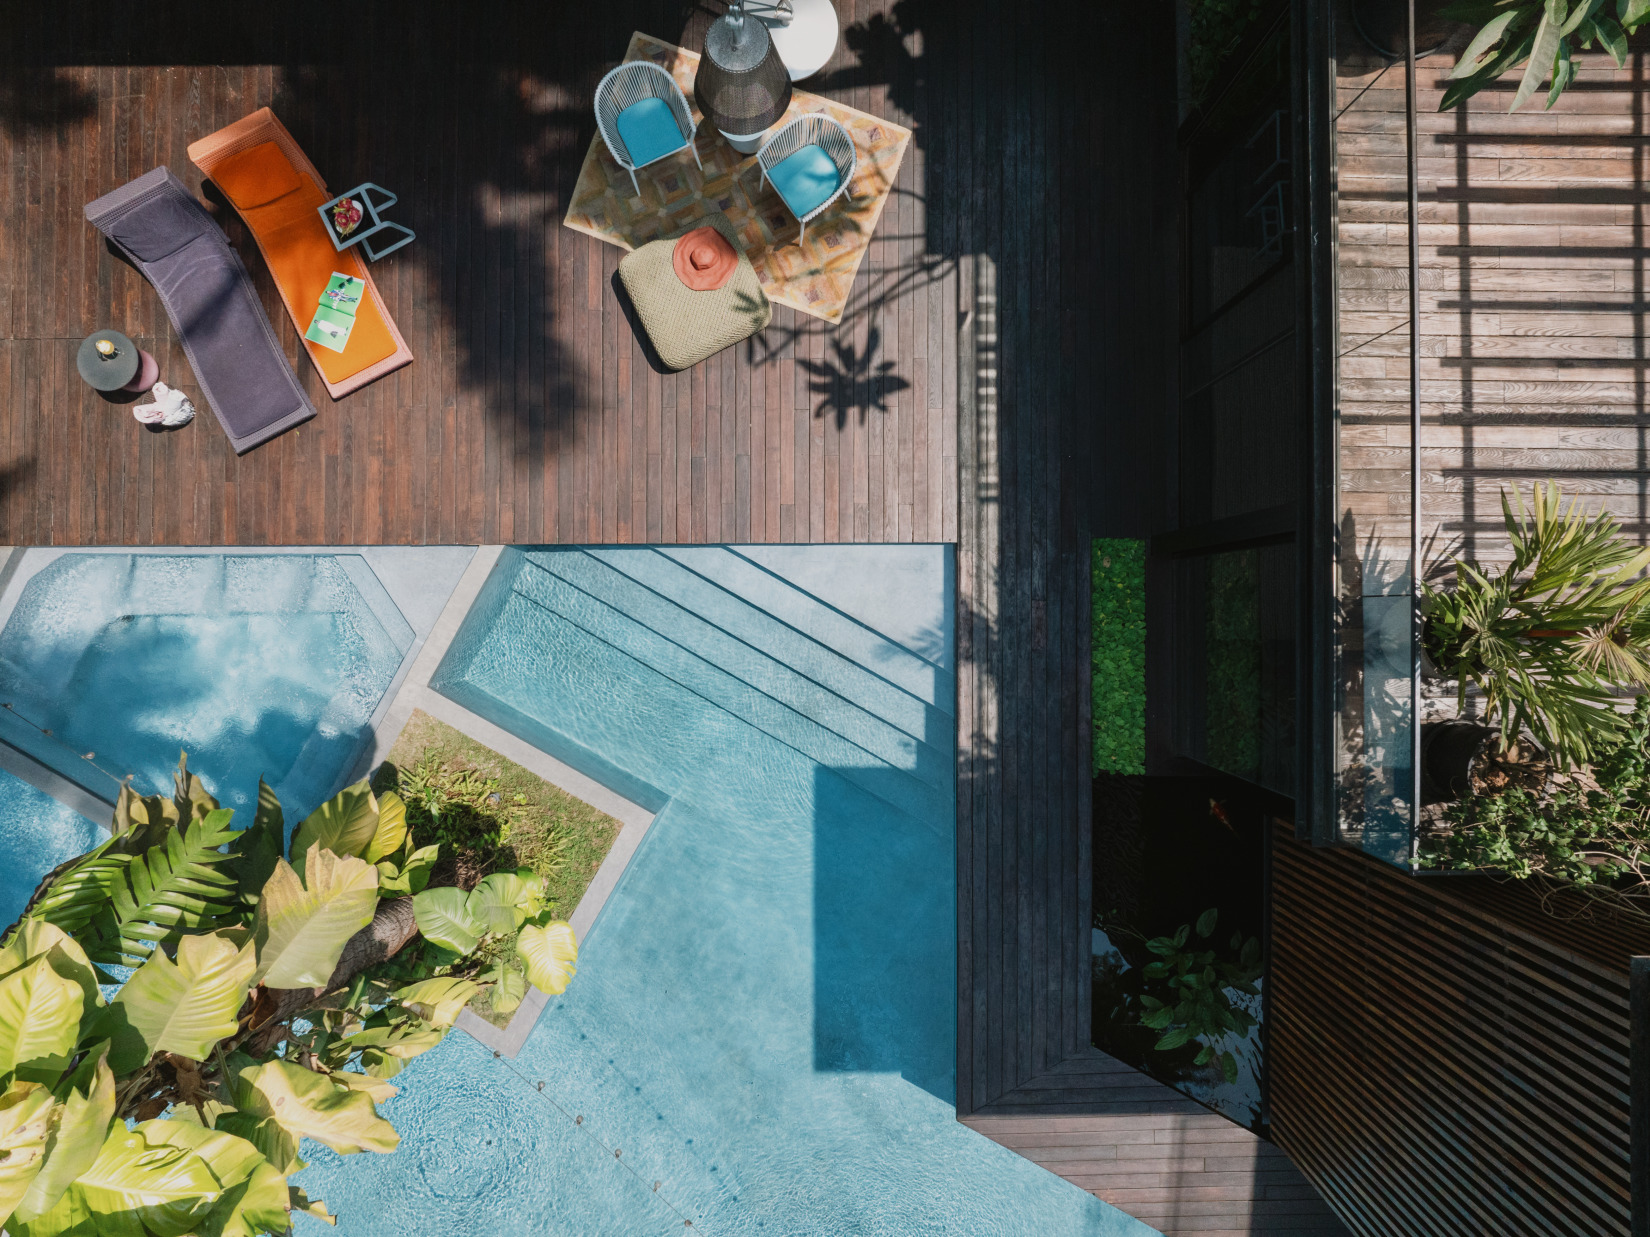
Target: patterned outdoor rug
815 277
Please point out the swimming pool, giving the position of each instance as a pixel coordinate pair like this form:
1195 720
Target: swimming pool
259 665
761 1037
36 834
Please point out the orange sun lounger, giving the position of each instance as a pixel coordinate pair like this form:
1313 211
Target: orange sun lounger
276 189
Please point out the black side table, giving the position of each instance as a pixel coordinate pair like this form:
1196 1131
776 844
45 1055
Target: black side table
109 361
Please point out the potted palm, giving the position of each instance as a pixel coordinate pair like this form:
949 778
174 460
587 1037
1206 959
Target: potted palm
1551 638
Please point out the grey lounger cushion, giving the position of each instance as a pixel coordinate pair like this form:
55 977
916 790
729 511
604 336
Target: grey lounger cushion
225 333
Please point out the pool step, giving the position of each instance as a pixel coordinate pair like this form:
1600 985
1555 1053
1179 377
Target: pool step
739 678
801 611
747 619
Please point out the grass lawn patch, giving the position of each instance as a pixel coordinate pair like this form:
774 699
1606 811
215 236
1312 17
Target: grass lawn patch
1118 655
491 815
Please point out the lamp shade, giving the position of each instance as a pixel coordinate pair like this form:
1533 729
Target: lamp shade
742 86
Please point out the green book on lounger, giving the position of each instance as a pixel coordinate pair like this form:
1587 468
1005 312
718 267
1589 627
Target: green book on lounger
333 321
329 328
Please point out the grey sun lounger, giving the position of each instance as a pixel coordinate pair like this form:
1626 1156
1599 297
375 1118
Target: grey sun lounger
237 359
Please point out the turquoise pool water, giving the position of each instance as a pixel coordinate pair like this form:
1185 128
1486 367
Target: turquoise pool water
761 1036
258 665
36 834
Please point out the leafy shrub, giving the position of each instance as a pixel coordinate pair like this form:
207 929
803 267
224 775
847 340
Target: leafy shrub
266 993
1118 655
1184 991
1550 637
1594 836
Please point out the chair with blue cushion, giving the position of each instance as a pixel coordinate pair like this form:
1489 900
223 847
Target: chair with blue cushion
643 116
810 162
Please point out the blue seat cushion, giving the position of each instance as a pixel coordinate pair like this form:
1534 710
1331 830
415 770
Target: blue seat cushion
649 131
805 179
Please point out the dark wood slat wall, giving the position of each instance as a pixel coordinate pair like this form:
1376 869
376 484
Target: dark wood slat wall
531 413
1066 379
1443 1056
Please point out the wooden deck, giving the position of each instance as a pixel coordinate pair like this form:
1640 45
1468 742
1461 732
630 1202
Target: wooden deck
530 413
1533 300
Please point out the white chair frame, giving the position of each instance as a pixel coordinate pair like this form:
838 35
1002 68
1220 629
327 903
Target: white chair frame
830 135
627 85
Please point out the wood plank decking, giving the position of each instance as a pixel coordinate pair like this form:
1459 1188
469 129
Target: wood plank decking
530 413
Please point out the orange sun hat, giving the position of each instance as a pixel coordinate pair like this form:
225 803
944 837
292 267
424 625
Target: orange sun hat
704 260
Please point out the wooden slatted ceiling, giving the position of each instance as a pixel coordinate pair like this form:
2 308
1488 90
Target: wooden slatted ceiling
1443 1057
530 413
1533 298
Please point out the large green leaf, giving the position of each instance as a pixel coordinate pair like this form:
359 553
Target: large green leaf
233 1162
549 954
266 1134
391 830
409 877
1543 53
254 1206
443 916
27 1118
35 937
259 846
438 1001
345 824
505 900
182 883
303 925
509 986
40 1012
187 1006
86 889
311 1105
1479 49
139 1185
83 1118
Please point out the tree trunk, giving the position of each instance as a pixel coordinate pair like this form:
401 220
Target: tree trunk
392 928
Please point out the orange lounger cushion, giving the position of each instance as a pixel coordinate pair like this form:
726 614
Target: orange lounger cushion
276 189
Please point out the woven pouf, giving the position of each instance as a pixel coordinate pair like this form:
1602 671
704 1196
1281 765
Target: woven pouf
686 326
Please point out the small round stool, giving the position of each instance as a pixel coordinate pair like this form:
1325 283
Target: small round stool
808 40
109 361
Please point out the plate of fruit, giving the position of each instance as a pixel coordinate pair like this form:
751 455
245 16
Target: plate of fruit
346 216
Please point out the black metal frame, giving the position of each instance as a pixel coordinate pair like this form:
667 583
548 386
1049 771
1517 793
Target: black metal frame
1317 345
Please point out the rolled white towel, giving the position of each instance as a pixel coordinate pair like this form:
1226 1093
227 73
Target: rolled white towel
170 409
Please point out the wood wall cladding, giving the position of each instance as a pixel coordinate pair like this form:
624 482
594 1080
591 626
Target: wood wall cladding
1533 299
1445 1058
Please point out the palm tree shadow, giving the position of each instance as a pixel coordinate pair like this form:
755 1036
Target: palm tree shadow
854 382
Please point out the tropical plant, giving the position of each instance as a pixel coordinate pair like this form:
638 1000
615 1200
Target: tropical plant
1551 636
1187 990
264 994
1542 35
1593 834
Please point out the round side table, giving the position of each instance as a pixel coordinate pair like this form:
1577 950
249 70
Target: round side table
806 43
120 366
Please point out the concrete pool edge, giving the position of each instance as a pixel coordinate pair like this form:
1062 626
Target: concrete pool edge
415 693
